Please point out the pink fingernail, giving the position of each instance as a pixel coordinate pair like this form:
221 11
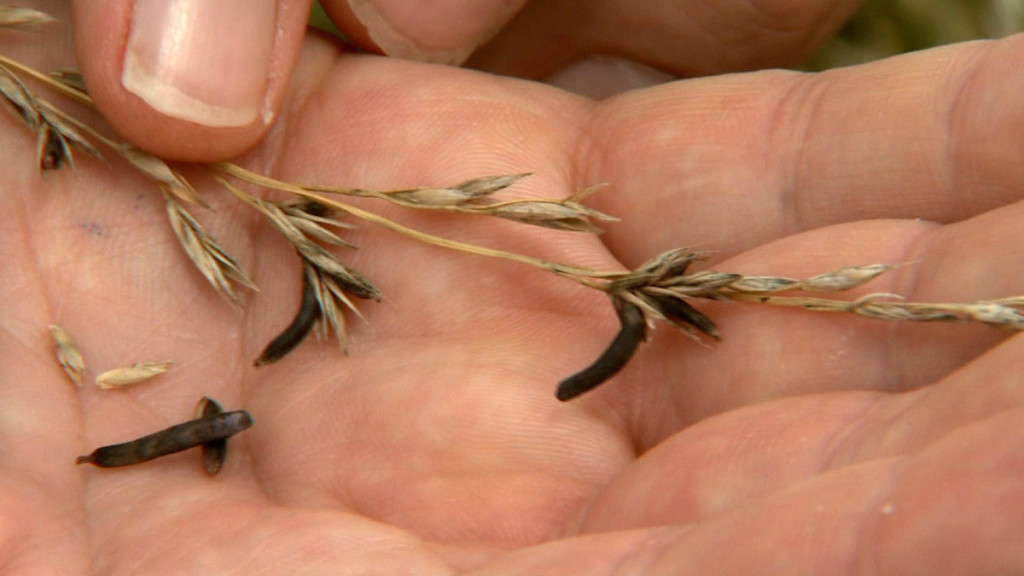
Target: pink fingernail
205 61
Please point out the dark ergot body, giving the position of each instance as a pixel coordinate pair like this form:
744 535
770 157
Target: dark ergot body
632 333
214 452
285 342
174 439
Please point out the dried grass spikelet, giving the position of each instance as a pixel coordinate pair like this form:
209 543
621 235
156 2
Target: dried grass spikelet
129 375
27 19
475 191
563 215
327 263
660 288
838 280
567 214
213 262
157 170
71 78
17 95
55 134
56 138
70 358
314 218
332 302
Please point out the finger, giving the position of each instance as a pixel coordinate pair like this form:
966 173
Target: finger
689 38
737 161
951 509
442 31
188 79
727 462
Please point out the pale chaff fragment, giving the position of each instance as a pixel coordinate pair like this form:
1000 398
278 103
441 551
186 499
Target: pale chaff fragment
68 355
19 18
129 375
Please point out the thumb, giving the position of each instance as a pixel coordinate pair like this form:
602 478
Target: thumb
195 80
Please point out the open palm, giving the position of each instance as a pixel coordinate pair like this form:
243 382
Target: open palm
802 443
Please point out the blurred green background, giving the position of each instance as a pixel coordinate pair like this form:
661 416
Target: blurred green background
886 27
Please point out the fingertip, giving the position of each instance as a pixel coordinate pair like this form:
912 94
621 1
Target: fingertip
189 79
441 31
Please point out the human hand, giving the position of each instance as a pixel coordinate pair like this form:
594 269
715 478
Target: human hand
215 90
799 443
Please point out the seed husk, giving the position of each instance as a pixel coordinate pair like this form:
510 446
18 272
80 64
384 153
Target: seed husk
169 441
70 358
129 375
632 332
18 18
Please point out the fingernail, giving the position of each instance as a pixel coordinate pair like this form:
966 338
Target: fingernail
205 61
449 36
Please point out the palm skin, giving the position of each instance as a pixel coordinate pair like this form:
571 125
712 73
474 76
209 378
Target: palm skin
800 444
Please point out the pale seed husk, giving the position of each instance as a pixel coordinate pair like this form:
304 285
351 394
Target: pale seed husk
764 284
70 358
844 279
27 19
549 214
130 375
473 191
317 231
